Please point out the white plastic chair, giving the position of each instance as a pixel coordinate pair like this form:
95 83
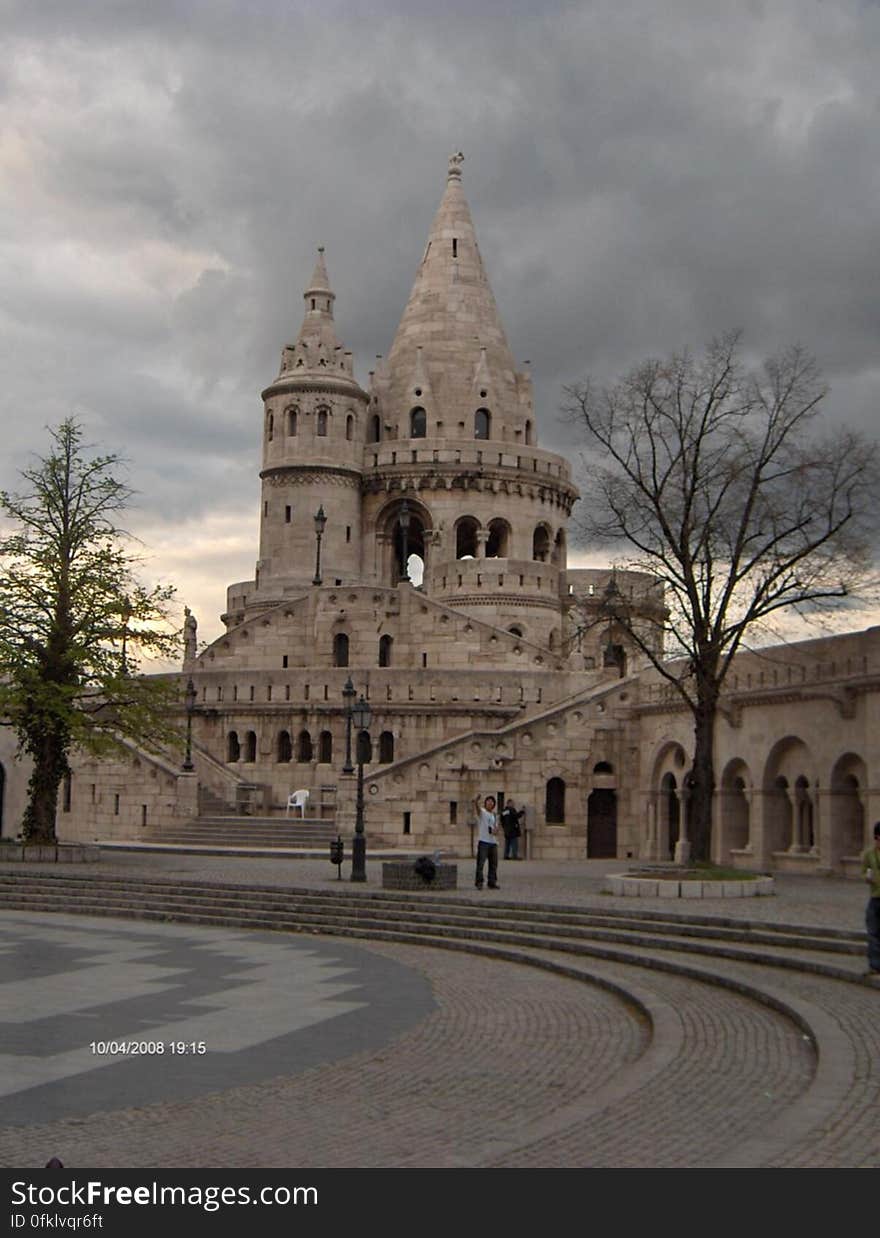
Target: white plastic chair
297 799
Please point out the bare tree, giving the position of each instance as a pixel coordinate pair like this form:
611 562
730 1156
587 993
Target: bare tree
720 483
73 619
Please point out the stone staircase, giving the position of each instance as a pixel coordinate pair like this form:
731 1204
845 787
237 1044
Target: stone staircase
221 831
452 922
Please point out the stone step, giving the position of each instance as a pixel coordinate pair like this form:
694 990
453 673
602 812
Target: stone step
695 925
333 915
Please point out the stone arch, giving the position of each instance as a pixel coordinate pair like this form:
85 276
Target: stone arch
541 543
735 808
668 781
499 539
233 747
349 427
788 784
270 426
303 747
602 813
528 434
558 555
482 423
849 780
284 752
375 431
322 421
418 539
386 748
467 529
325 748
250 746
363 748
554 801
340 649
292 420
386 644
418 422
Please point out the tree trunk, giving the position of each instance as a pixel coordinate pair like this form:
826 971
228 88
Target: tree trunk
702 782
50 766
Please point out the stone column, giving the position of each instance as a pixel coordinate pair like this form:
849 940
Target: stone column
683 846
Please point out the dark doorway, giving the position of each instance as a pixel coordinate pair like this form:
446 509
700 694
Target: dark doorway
602 824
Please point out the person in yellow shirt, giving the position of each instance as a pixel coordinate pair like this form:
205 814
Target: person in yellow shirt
871 867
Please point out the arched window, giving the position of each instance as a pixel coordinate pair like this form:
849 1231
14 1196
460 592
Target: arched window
482 423
385 643
498 541
386 748
466 538
349 427
292 419
554 808
515 630
233 747
541 544
285 747
270 427
558 556
250 746
603 767
418 423
364 748
321 427
340 649
304 747
325 748
528 434
375 434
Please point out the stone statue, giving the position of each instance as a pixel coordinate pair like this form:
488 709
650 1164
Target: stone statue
190 631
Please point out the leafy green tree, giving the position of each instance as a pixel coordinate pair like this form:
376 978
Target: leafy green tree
75 622
722 483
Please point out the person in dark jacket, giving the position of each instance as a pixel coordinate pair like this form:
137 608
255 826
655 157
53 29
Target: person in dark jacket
510 824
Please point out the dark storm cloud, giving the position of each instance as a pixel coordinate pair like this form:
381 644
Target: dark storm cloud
642 177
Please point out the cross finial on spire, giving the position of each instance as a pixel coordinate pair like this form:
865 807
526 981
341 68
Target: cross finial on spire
455 162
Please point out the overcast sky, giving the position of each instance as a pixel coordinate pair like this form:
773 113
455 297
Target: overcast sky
643 174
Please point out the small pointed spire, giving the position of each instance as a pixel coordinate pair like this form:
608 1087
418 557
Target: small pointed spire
320 281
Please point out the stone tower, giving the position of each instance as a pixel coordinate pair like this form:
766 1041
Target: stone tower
451 435
314 425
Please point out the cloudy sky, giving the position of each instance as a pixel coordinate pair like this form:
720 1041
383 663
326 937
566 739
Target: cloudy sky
643 174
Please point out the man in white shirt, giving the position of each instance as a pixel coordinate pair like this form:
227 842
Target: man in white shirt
487 841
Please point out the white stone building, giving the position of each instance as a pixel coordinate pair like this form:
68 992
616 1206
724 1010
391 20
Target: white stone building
436 579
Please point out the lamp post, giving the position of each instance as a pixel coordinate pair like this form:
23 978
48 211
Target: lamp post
320 522
404 519
362 716
190 699
348 695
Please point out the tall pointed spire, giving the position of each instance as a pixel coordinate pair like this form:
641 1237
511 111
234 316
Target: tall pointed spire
317 346
452 317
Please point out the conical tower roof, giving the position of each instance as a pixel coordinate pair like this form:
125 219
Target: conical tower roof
451 316
317 351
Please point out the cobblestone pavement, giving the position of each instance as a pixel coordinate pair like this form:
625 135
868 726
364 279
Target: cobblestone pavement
518 1067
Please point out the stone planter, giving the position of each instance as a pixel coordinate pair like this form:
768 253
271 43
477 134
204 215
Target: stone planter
645 886
55 853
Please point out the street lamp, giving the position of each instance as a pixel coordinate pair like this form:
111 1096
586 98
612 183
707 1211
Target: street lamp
348 695
190 699
404 519
320 522
362 716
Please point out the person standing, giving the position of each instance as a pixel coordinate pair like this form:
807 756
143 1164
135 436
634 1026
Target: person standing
871 865
510 824
487 841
